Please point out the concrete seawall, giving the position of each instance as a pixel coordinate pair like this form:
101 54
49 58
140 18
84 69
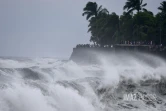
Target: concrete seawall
86 55
89 54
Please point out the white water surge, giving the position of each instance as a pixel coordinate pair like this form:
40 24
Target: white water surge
47 84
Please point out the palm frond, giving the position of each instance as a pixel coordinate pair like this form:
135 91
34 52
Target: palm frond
145 10
89 15
160 8
130 11
105 11
132 5
99 9
85 13
127 6
141 1
144 5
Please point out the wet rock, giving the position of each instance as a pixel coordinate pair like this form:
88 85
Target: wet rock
151 104
131 87
127 106
101 91
159 102
161 87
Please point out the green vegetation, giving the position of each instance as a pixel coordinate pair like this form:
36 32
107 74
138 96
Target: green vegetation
109 28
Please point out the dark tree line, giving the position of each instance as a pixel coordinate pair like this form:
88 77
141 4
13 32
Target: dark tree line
109 28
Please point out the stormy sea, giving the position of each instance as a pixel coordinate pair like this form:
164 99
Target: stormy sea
116 83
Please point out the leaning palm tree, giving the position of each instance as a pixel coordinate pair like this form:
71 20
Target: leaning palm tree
97 17
132 5
92 10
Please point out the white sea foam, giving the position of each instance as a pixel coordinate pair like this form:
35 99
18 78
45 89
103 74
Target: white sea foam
47 84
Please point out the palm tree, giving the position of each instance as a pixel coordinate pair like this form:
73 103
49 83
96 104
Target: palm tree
97 18
137 5
162 17
163 7
92 10
132 5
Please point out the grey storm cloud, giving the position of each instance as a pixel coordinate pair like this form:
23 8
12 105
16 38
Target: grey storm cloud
48 28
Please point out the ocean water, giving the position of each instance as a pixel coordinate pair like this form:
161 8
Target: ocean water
118 83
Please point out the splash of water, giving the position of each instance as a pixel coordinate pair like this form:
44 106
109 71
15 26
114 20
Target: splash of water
53 85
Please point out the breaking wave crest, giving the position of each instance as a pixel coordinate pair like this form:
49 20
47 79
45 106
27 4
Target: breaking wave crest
54 85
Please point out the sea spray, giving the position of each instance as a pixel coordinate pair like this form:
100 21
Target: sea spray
50 84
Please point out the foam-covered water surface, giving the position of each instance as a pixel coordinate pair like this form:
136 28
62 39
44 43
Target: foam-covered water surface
49 84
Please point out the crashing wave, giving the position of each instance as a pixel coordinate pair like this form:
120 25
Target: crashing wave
119 83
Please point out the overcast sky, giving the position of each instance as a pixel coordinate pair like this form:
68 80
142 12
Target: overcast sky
48 28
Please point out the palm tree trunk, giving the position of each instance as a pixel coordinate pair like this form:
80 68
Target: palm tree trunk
138 24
